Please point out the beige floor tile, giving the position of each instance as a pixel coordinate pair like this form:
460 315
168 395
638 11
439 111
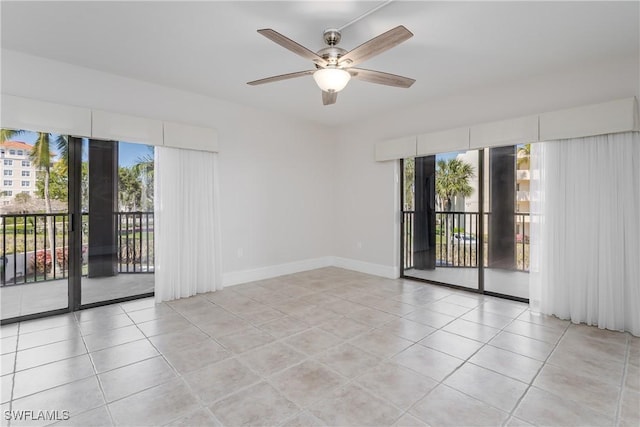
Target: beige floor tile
632 378
178 339
51 375
371 317
582 387
520 344
201 417
130 379
284 327
98 312
245 340
594 333
195 356
540 407
344 328
447 308
504 308
348 360
409 421
351 405
6 382
488 386
580 357
426 361
271 358
515 422
121 355
76 397
220 379
312 341
630 409
9 330
164 325
48 353
103 324
29 326
314 315
472 330
266 314
154 406
445 406
98 417
544 320
260 404
407 329
307 382
140 304
381 344
430 318
397 384
42 337
7 363
513 365
535 331
487 318
303 419
452 344
101 340
152 313
224 324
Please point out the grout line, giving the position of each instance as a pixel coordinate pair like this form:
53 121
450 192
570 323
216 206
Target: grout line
622 382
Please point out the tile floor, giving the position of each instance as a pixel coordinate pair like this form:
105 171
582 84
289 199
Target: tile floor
324 347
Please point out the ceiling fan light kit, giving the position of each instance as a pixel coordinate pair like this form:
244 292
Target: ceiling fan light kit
331 79
334 66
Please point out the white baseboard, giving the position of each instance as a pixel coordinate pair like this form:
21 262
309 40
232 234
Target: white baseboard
367 267
245 276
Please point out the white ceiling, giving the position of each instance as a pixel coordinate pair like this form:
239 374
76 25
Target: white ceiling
213 48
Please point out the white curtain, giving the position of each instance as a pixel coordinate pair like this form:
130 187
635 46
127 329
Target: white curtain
187 231
585 230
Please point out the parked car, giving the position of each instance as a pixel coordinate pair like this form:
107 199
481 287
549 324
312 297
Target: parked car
464 239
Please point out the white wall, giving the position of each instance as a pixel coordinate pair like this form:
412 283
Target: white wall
366 192
276 172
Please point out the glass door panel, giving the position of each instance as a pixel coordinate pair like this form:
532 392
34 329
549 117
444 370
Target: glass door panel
34 222
117 225
506 221
441 218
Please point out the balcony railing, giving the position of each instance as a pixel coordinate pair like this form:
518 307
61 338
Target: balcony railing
26 254
457 240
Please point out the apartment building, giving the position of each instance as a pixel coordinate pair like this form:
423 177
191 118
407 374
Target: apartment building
17 171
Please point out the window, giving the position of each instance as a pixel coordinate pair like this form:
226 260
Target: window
7 182
8 193
26 183
8 172
26 163
20 153
8 162
26 173
12 152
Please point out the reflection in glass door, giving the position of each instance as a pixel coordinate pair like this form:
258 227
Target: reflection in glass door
117 221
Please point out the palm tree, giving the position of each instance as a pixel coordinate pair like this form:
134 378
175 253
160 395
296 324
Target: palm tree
523 155
7 134
41 155
452 179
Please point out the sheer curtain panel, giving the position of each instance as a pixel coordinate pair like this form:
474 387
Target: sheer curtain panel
585 230
187 231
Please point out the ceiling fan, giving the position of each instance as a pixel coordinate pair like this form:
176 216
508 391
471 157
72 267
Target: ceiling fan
334 66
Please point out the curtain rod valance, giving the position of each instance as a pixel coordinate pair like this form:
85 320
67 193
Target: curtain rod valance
599 119
41 116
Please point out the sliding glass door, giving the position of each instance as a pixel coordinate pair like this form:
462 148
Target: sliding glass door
441 218
76 217
465 219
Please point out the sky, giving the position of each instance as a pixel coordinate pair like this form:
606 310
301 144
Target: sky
128 153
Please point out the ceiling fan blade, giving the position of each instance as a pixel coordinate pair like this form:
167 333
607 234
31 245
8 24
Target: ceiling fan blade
380 78
376 46
294 47
329 98
281 77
